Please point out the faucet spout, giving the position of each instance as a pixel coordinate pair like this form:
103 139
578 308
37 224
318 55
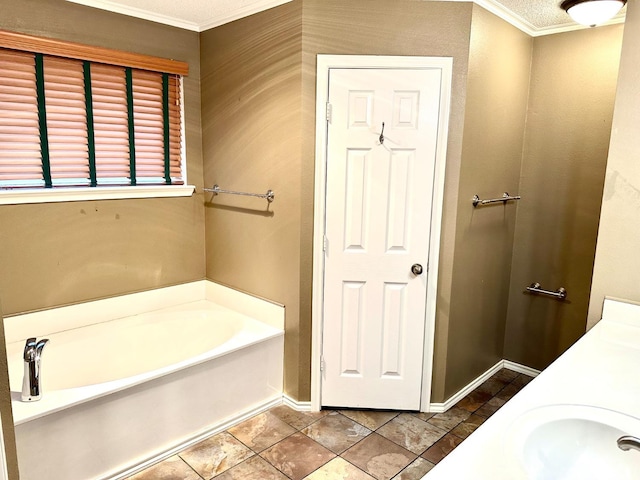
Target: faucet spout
31 381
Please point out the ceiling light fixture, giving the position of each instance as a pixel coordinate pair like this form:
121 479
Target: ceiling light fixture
592 12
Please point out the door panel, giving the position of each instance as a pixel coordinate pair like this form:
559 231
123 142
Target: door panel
378 211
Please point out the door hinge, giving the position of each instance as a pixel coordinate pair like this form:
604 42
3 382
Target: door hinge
325 243
321 363
329 112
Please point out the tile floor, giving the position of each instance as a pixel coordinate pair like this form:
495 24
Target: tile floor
283 444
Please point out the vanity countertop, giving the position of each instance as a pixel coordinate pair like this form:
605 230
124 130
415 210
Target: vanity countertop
601 370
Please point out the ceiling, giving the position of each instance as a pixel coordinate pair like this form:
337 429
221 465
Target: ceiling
535 17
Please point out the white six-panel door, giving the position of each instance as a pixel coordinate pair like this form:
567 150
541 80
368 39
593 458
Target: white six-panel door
378 217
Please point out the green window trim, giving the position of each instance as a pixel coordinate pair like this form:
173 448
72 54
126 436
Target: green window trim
132 141
42 120
91 144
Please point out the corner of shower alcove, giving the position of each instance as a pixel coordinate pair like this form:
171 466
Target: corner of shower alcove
148 375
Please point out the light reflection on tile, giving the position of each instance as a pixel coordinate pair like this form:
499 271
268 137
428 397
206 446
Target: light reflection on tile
297 456
339 469
216 454
261 431
336 432
379 457
411 433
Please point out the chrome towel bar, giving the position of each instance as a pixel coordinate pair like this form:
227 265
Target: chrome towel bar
560 294
269 196
504 199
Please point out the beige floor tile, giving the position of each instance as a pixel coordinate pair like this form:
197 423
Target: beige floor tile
372 419
339 469
379 457
261 431
449 419
255 468
216 454
411 433
171 469
491 407
505 375
336 432
442 448
469 426
297 420
297 456
418 469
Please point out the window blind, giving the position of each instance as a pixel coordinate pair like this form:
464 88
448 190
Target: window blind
72 122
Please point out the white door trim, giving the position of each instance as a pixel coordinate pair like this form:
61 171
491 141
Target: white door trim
324 64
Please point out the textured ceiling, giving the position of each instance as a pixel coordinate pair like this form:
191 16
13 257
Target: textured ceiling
540 14
535 17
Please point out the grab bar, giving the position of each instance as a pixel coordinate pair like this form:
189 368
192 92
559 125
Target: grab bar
560 294
505 198
216 190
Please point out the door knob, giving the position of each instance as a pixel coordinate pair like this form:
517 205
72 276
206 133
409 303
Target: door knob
416 269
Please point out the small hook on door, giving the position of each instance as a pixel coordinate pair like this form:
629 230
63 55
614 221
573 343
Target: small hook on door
382 135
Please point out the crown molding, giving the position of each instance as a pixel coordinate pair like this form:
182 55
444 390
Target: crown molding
490 5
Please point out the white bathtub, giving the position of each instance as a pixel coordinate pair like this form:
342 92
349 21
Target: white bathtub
119 394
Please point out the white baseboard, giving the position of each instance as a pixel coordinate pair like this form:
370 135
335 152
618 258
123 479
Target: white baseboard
212 430
299 406
516 367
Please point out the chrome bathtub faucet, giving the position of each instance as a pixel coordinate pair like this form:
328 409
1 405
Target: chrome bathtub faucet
31 387
628 442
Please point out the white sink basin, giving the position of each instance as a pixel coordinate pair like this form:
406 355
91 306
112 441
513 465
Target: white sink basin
573 442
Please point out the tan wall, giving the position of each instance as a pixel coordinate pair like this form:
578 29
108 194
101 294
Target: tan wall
495 112
251 141
252 135
617 265
54 254
573 87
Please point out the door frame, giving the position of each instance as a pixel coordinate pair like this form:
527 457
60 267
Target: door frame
324 64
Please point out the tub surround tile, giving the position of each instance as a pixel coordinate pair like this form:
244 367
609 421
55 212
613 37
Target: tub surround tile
262 431
338 468
297 420
411 433
372 419
174 468
379 457
255 468
336 432
216 455
442 448
415 471
449 419
297 456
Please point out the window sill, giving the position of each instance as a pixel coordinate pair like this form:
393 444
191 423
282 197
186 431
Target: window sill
53 195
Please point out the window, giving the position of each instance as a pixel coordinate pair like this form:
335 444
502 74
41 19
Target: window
87 119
